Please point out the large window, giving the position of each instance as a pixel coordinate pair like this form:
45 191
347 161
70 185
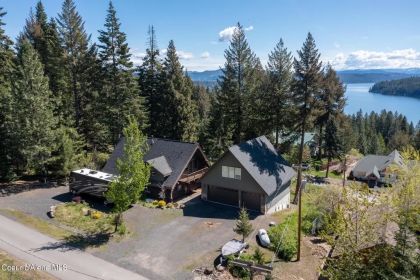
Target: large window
231 172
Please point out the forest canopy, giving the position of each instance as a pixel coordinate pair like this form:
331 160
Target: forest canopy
402 87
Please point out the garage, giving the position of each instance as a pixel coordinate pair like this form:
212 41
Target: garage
223 195
251 201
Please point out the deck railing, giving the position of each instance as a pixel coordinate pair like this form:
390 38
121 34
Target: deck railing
189 177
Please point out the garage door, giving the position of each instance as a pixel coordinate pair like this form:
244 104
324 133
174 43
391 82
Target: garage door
223 195
251 201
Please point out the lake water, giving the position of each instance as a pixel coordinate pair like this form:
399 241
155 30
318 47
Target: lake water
359 97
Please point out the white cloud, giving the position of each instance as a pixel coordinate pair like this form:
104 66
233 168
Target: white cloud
227 33
205 55
137 57
184 55
362 59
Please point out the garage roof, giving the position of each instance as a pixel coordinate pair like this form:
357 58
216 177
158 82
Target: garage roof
259 157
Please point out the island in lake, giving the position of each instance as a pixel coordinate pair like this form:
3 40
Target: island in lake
402 87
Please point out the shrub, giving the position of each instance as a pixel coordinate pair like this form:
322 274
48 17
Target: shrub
283 238
122 229
96 215
162 203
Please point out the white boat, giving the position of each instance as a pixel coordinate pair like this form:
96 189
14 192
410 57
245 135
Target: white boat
233 247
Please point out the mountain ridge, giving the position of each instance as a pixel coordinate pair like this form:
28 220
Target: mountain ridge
209 77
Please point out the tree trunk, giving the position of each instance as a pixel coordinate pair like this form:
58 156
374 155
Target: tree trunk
320 143
118 220
344 170
328 167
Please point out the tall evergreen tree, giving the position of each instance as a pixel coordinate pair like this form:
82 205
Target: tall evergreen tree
333 147
120 88
151 82
307 86
33 122
6 72
179 98
236 83
217 137
331 99
277 98
44 37
75 43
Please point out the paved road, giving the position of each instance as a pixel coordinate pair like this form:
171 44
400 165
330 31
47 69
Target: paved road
35 248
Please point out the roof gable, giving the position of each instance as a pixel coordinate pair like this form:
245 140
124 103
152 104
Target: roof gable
176 154
370 162
260 159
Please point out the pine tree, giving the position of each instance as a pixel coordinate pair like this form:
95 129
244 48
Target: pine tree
178 99
151 82
243 225
6 73
120 88
237 83
331 99
75 43
217 137
277 98
333 147
307 85
35 31
94 108
44 37
33 122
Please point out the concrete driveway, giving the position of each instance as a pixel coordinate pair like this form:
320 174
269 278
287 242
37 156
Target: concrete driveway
165 244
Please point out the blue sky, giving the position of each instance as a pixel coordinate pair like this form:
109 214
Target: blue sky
350 34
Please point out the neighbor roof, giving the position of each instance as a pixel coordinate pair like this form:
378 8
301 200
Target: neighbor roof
176 154
371 163
261 160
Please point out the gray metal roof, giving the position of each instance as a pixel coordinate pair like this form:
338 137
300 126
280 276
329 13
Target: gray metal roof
176 153
260 159
369 163
161 165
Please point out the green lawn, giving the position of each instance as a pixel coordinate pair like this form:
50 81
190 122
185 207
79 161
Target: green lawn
37 224
321 174
72 214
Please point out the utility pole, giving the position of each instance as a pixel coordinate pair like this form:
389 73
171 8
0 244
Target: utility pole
299 195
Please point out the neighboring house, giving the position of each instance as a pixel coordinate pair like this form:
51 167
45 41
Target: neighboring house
176 167
250 175
309 140
375 168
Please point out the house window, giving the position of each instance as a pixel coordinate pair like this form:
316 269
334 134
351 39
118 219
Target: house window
231 172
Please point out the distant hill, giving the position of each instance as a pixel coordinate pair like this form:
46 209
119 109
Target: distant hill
209 77
376 75
402 87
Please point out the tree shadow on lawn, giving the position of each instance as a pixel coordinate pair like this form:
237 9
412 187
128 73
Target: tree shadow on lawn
78 242
94 202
